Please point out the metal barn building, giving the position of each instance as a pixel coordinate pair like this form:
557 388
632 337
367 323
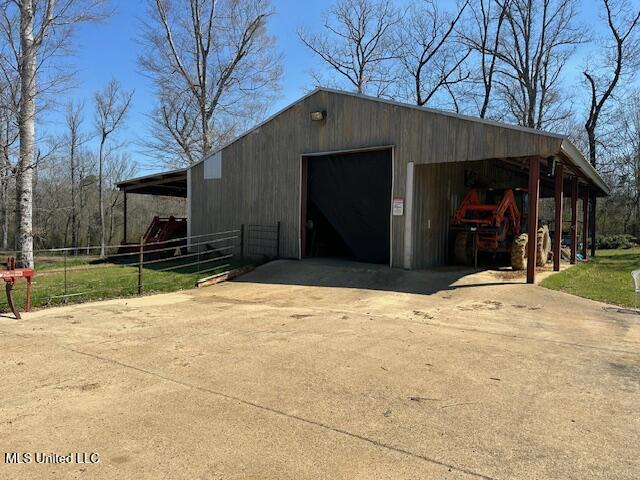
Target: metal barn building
382 178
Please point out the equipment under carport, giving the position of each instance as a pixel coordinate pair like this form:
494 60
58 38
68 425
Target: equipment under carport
494 226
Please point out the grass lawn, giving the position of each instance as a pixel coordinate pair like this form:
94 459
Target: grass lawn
606 278
88 280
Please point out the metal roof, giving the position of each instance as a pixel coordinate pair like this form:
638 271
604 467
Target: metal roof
168 184
568 151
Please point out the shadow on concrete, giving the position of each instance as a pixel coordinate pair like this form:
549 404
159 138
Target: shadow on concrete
340 273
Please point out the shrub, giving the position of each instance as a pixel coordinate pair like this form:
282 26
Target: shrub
616 241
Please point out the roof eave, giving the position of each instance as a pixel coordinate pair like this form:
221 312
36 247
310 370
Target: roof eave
123 183
572 152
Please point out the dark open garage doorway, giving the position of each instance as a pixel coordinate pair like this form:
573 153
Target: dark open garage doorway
346 205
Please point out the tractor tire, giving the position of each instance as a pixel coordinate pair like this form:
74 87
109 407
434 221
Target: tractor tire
519 252
543 246
463 248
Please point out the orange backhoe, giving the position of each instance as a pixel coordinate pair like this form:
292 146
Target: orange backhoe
494 226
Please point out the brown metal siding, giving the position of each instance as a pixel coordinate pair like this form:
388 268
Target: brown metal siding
261 170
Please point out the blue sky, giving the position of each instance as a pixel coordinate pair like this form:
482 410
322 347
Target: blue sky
110 49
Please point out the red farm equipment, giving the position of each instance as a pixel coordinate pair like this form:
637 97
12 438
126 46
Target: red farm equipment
163 235
494 226
10 276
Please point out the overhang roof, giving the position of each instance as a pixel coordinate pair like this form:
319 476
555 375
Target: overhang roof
168 184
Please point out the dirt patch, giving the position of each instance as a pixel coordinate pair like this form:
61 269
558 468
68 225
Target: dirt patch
484 305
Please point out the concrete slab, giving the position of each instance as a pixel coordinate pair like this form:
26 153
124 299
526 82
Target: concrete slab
328 370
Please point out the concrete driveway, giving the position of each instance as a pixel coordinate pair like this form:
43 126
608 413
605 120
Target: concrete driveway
327 370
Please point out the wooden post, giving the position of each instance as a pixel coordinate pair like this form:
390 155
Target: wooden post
124 222
140 266
574 219
557 236
585 223
534 199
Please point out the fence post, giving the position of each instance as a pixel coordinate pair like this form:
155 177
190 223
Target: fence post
140 262
278 242
65 276
242 241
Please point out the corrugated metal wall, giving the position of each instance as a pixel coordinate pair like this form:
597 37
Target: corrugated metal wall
261 171
438 190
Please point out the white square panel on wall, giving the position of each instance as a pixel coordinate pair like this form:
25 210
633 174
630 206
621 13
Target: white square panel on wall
213 166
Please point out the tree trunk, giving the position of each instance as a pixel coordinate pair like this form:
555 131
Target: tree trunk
5 213
74 220
591 135
4 196
27 131
101 197
206 134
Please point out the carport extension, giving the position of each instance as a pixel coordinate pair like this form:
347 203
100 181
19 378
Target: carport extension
167 184
559 168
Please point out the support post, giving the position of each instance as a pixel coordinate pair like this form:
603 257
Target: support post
592 223
534 199
242 241
574 219
65 277
408 217
140 264
557 234
585 223
278 240
304 184
124 221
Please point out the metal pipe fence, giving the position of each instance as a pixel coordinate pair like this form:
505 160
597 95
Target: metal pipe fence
74 274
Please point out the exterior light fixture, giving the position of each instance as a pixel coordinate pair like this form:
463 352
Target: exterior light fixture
318 116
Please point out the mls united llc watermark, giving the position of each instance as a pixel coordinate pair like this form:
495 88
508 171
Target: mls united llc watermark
52 458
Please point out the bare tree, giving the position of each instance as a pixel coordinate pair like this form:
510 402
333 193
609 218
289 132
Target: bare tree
538 39
483 35
112 105
207 59
8 138
625 164
35 34
619 59
176 137
118 166
75 140
429 51
358 43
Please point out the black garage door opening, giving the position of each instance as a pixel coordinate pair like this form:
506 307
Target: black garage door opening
348 205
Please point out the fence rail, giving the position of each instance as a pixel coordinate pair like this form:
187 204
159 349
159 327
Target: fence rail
73 274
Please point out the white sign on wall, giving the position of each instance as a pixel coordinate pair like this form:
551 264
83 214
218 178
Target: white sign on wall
213 166
397 207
